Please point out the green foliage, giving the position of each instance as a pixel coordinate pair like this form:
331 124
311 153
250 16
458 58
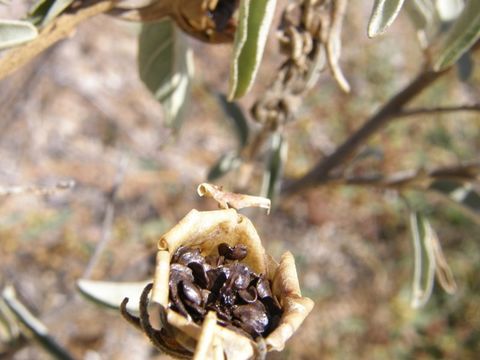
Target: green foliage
463 34
464 195
235 113
383 15
32 325
166 67
254 20
14 33
44 11
111 294
274 167
227 162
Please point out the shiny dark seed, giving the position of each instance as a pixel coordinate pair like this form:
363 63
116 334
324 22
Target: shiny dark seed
248 295
263 288
200 274
186 255
252 315
227 296
241 276
242 299
191 292
237 252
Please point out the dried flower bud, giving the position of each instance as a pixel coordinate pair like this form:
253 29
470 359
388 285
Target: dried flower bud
206 306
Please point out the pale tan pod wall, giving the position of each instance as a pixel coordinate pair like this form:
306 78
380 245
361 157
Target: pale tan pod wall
206 230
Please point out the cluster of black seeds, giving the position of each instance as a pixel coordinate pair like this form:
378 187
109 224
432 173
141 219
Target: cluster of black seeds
242 299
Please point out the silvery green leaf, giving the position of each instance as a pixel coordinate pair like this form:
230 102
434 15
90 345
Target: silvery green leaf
111 294
274 168
56 9
9 331
34 326
463 195
38 11
448 10
429 261
464 32
383 15
254 20
15 32
234 112
424 262
422 13
166 66
226 163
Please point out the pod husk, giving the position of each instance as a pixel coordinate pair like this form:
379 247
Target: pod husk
206 230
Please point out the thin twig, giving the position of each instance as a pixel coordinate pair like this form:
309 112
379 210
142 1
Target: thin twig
469 171
37 190
107 220
320 173
438 110
57 30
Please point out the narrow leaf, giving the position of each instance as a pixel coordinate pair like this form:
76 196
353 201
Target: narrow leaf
234 112
225 164
274 169
111 294
424 262
442 269
254 20
427 248
39 10
461 36
423 15
166 67
9 331
38 330
56 9
383 15
463 195
13 33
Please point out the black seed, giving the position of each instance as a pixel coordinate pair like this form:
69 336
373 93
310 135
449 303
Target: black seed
263 288
200 274
227 296
242 299
237 252
186 255
248 295
240 276
191 292
253 316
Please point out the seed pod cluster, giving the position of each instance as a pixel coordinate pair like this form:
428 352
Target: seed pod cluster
242 299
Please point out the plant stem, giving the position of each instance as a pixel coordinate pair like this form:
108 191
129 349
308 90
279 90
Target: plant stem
438 110
57 30
320 173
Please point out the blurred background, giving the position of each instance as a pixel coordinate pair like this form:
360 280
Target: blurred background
79 112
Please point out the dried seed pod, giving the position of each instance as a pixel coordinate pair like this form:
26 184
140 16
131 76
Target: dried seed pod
211 21
239 299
